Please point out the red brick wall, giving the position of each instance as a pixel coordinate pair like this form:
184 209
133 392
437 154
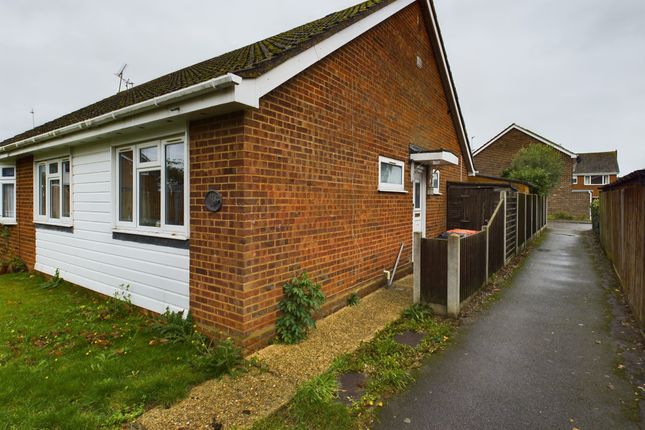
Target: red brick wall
22 238
217 239
299 179
313 174
498 157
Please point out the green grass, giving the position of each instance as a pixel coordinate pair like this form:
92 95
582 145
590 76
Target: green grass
72 359
388 364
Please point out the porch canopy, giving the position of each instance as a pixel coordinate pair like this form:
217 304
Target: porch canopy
434 158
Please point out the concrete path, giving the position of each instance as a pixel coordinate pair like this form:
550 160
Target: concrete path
540 358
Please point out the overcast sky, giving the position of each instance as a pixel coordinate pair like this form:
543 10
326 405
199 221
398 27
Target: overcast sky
573 71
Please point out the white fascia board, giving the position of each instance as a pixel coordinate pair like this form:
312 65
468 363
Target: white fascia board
154 112
269 81
529 133
435 158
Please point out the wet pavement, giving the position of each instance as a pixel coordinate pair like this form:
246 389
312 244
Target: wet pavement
540 358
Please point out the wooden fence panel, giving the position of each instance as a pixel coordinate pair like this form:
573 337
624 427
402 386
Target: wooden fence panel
472 267
470 207
622 234
496 243
434 271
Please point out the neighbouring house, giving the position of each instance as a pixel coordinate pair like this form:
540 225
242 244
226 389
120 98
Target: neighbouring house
593 170
582 174
317 150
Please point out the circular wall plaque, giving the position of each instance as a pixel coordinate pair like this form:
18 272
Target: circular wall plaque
213 201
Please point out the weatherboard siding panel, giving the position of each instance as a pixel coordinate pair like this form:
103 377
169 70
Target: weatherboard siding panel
157 276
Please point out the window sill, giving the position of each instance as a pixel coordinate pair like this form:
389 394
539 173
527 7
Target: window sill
8 222
161 239
435 194
67 228
392 191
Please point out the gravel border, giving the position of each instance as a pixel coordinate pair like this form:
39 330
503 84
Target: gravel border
237 402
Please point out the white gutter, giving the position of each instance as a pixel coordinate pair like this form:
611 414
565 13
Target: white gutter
221 82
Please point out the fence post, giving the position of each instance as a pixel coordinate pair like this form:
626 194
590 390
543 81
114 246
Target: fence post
453 275
416 289
505 197
486 230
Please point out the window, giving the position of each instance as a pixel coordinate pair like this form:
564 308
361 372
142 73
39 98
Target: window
53 192
391 175
7 194
436 182
151 186
574 180
596 180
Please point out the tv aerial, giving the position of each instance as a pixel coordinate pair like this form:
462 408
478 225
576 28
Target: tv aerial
123 81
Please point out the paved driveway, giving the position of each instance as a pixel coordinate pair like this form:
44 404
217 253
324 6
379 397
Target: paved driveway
540 358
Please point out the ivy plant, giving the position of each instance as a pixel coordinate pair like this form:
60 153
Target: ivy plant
301 298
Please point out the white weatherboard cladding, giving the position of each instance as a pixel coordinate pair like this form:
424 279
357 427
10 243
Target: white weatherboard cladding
157 276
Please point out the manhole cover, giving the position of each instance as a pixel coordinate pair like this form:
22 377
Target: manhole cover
409 338
352 387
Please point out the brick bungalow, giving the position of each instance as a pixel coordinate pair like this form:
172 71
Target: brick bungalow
581 177
208 188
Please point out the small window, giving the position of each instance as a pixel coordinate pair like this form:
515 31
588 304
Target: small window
436 182
7 195
53 189
391 175
149 154
596 180
574 180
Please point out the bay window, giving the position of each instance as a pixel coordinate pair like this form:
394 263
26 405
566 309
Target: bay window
150 187
7 194
53 192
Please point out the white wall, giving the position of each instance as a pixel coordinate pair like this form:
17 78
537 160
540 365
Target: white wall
158 276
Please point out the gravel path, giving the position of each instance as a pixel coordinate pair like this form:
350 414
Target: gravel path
239 402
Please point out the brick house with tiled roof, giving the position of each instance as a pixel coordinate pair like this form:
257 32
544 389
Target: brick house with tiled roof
581 176
317 150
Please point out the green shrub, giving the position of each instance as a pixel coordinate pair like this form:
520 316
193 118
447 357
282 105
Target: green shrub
322 389
418 312
353 299
16 265
219 357
54 282
301 298
174 327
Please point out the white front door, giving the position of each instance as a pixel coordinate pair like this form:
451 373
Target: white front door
419 201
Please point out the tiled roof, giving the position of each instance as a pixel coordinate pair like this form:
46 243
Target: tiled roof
597 162
248 62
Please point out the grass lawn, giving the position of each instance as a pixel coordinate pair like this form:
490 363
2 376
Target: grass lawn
72 359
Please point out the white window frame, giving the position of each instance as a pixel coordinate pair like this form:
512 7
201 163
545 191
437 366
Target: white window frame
11 180
605 180
164 230
435 190
388 187
574 180
47 219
